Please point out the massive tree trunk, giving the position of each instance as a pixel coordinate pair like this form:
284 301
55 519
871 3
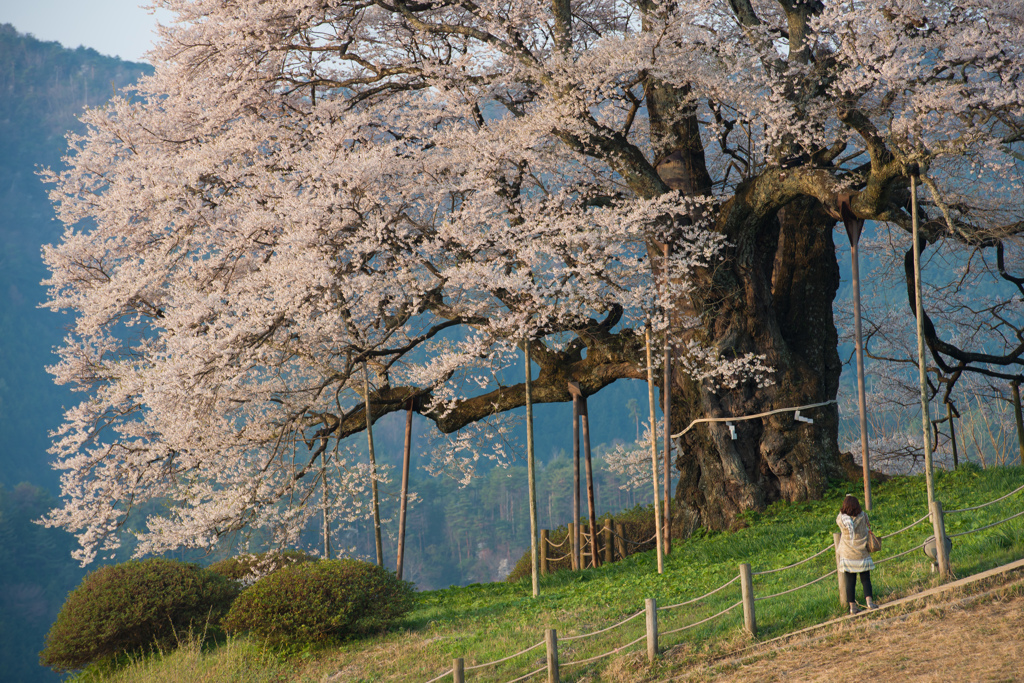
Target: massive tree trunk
773 296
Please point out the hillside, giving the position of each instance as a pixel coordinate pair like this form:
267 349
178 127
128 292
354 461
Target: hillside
595 612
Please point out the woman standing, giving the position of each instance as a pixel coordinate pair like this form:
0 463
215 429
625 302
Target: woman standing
854 557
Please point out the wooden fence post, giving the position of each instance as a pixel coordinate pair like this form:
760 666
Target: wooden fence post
573 550
747 586
840 574
608 548
551 637
586 538
939 528
543 551
620 544
651 608
459 671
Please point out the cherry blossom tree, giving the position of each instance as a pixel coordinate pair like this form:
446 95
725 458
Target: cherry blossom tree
304 186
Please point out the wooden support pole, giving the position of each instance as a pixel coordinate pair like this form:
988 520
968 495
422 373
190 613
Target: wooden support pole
551 639
654 452
608 548
939 528
591 503
926 422
373 468
459 670
651 609
620 544
544 552
574 389
666 411
405 489
840 574
574 539
747 587
530 469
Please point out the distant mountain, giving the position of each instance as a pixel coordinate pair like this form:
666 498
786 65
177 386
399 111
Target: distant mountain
43 88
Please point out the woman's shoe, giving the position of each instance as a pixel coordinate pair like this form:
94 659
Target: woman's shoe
872 604
854 608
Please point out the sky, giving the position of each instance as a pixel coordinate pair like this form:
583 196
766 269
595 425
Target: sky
118 28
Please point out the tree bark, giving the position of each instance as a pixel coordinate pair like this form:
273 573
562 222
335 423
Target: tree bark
772 296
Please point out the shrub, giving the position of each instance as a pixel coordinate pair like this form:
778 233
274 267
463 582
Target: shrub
309 603
247 569
133 606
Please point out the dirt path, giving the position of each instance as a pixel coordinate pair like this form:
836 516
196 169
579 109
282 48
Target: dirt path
973 638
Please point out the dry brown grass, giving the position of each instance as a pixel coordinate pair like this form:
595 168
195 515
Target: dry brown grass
957 638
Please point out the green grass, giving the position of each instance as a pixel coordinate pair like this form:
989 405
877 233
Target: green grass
482 623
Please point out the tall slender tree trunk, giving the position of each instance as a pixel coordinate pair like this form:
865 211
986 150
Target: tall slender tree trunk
407 451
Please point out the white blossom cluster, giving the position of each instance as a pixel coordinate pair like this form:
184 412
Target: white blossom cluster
306 186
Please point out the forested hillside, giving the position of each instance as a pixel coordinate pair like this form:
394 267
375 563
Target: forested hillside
43 86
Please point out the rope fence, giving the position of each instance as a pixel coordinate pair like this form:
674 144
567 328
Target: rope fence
747 601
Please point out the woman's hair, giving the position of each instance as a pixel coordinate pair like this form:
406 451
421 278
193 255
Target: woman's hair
851 506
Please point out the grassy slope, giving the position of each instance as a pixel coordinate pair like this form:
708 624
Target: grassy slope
485 622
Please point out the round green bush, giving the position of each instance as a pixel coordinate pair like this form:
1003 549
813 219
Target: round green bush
132 606
305 604
244 568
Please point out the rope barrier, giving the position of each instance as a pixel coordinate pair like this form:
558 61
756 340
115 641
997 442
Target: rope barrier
724 585
795 564
532 673
449 672
750 417
604 630
905 552
793 590
978 507
909 526
606 654
552 544
987 526
587 542
698 623
504 659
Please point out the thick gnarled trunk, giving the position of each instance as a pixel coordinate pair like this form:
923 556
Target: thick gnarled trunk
773 296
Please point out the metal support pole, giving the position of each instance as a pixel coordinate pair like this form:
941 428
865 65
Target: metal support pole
926 422
551 639
651 609
747 588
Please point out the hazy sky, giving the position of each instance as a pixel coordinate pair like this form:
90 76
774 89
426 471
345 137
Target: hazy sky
112 27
